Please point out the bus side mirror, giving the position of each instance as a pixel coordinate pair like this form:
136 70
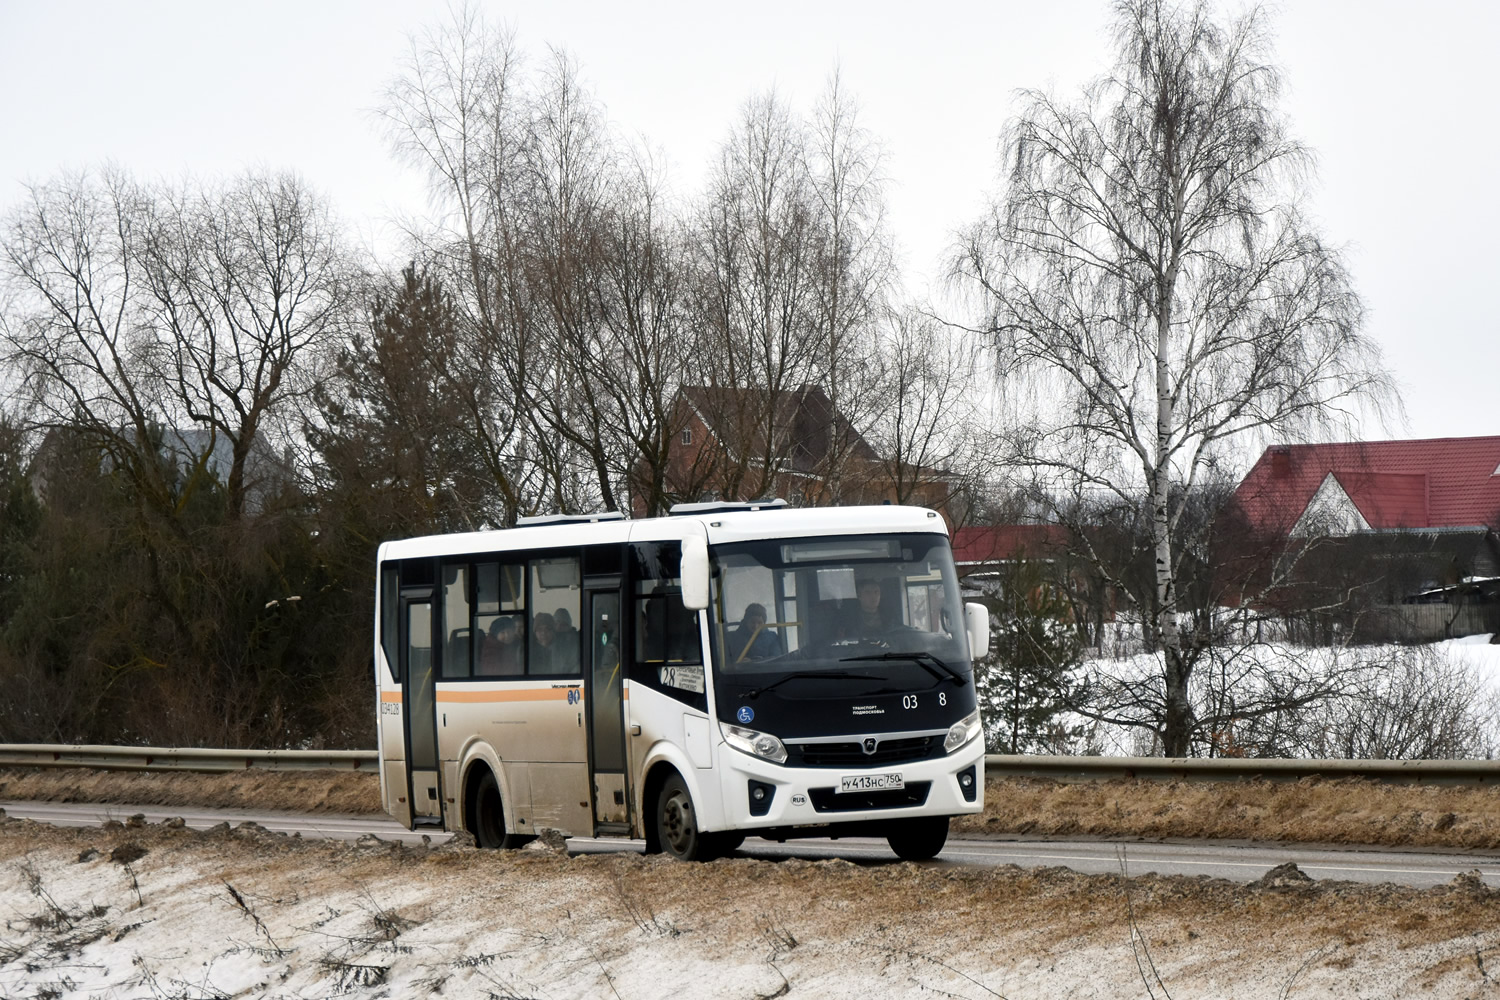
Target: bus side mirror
695 573
977 622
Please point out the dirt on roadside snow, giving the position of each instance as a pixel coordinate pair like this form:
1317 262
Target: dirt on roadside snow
245 912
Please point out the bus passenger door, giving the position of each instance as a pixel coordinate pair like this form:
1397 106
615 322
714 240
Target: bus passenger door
419 679
605 665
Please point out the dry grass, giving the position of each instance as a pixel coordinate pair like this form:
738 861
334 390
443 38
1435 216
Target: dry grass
253 788
1342 811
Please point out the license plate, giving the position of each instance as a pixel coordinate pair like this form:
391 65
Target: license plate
870 782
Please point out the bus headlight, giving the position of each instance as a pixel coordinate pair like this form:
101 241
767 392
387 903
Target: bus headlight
962 732
756 744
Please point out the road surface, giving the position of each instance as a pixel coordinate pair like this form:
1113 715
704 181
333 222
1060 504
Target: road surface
1240 863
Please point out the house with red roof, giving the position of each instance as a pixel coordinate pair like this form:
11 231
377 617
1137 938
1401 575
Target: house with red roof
1409 522
991 558
979 549
1434 485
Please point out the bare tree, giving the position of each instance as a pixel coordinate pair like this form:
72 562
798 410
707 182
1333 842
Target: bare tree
72 337
553 238
457 112
933 431
646 346
245 283
853 275
1148 267
757 241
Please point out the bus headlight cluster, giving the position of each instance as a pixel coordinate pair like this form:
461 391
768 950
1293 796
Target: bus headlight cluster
755 743
962 731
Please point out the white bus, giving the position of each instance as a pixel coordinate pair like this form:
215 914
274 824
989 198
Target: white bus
730 670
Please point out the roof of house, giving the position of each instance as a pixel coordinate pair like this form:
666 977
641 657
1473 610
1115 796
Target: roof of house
998 543
804 421
1432 483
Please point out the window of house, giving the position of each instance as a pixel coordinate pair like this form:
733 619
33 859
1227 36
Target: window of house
687 435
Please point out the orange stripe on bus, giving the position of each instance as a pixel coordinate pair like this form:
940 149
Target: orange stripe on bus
523 694
389 696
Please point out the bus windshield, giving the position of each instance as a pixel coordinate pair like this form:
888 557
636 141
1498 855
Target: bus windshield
802 622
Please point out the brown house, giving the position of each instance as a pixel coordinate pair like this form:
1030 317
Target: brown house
746 444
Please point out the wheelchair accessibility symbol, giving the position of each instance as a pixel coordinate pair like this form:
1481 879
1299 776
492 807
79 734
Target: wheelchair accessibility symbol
746 714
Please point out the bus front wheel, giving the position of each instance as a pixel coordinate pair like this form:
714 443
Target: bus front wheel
488 817
919 839
677 823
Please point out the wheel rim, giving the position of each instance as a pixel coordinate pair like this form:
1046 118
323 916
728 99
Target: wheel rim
677 826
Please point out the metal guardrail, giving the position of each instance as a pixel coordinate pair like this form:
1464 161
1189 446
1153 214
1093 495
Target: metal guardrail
1412 772
1417 772
182 758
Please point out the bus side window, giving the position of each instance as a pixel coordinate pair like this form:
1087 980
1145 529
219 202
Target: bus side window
556 605
390 616
499 619
458 630
666 633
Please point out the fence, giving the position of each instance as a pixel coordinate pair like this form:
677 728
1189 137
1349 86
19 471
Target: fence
182 758
1427 772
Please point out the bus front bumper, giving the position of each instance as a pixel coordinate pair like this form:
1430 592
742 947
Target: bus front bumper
759 794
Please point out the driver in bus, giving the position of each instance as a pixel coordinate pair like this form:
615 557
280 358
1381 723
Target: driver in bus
751 640
867 618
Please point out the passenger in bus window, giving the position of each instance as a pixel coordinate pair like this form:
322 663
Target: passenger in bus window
501 653
751 640
545 654
566 645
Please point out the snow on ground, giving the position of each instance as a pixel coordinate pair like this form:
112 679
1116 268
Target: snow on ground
1474 655
156 913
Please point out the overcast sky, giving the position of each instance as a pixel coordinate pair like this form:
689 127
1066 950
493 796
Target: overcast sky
1396 98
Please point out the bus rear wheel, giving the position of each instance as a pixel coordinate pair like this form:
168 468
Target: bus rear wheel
919 839
487 817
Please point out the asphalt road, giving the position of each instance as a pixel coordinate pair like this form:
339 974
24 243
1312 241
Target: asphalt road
1240 863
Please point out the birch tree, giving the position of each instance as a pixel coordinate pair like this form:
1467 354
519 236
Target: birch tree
1149 268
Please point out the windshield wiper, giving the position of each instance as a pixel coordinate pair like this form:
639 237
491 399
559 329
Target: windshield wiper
924 660
756 692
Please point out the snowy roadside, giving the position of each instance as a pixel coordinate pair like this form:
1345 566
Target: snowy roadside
160 912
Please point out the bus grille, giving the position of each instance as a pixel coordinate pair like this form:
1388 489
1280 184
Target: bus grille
829 800
851 754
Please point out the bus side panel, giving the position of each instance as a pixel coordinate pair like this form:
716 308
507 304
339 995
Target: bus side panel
517 788
393 778
538 724
560 798
663 720
392 743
